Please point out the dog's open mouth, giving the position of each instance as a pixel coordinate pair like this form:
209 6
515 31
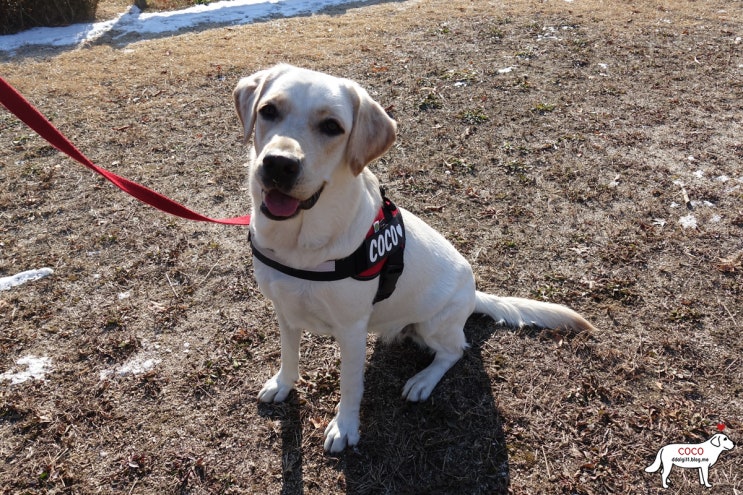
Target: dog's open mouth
279 206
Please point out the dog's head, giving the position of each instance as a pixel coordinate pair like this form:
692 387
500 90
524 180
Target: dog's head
722 441
310 131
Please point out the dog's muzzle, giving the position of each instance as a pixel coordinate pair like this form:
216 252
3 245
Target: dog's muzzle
279 174
279 206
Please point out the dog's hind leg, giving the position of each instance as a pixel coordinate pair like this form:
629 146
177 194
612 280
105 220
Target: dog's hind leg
419 387
666 471
444 334
277 388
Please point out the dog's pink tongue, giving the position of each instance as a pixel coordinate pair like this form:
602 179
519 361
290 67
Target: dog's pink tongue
279 204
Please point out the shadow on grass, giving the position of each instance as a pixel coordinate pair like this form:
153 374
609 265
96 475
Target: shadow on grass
451 443
288 413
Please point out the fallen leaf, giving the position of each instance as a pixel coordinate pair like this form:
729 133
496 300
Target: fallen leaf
318 423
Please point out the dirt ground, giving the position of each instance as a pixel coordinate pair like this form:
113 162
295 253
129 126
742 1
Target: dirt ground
585 152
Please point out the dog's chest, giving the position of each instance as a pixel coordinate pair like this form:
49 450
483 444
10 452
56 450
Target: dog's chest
319 307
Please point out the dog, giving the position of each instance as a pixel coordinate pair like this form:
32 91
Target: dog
314 202
699 456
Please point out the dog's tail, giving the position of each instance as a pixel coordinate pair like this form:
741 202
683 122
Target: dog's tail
518 312
655 465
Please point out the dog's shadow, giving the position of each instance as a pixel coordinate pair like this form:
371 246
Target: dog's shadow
453 443
288 413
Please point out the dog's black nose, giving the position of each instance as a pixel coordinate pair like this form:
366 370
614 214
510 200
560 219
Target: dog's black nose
280 171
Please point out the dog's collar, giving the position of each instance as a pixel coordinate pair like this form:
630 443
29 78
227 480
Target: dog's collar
380 255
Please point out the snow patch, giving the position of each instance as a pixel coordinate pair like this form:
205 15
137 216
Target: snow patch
689 221
549 33
7 283
134 21
36 369
137 365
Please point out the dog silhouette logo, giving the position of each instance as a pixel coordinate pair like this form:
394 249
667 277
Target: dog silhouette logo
699 456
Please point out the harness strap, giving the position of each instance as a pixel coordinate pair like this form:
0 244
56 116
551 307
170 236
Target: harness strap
380 255
327 272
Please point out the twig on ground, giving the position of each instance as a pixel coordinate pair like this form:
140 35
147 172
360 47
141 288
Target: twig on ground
735 323
175 293
687 201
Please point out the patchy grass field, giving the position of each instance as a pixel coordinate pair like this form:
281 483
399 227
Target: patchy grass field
555 143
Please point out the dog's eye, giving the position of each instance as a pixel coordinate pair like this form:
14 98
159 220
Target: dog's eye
269 111
331 127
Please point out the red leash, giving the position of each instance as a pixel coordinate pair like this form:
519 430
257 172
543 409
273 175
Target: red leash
18 105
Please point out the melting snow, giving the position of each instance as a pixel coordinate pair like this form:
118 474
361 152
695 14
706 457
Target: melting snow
7 283
135 366
550 33
134 21
689 221
36 369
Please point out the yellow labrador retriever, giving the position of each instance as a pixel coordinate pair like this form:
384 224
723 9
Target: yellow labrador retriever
335 258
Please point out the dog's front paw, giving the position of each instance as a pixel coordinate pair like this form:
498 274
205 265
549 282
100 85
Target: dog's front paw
275 390
341 433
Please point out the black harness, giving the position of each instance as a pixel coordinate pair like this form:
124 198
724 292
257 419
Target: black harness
380 255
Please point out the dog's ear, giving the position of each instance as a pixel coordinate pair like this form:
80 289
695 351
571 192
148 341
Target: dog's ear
715 440
248 92
373 130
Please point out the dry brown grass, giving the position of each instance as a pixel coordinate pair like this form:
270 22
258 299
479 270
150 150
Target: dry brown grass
552 179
